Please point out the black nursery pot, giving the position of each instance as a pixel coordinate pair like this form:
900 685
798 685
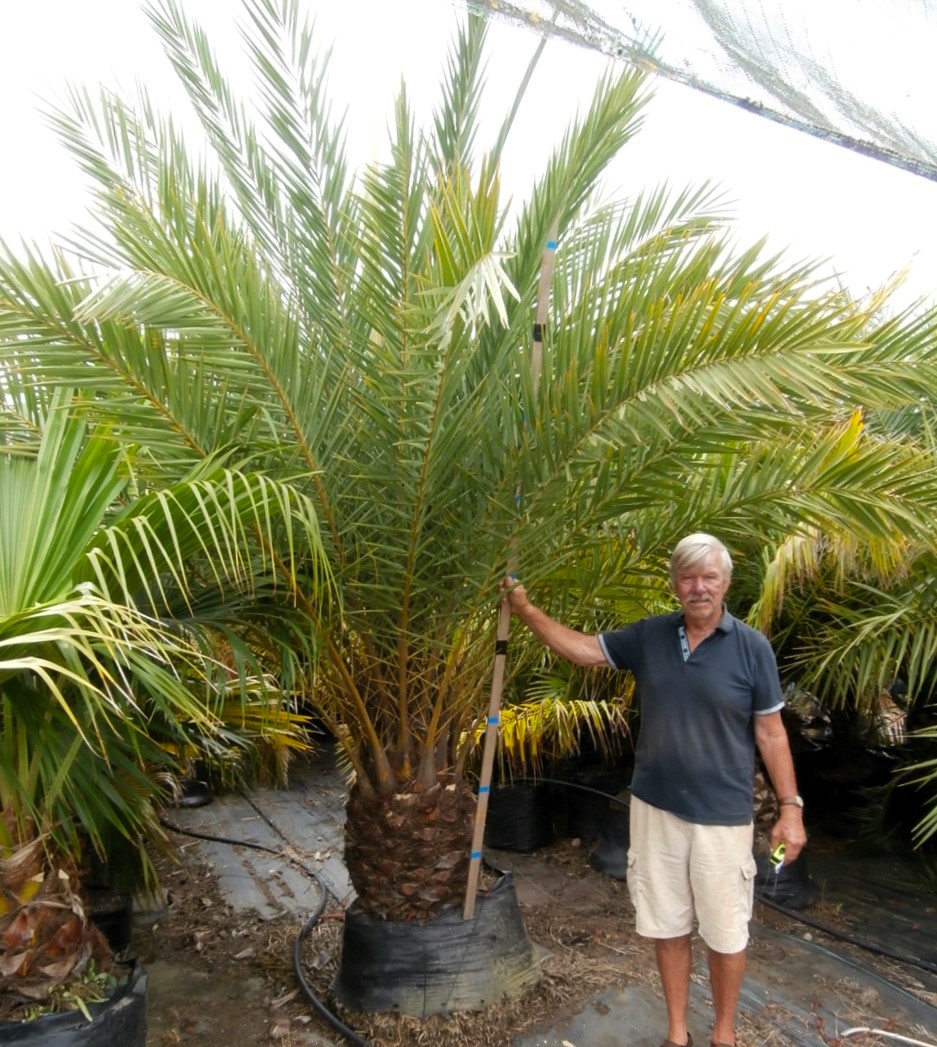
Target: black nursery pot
519 818
791 886
119 1022
611 854
448 964
585 802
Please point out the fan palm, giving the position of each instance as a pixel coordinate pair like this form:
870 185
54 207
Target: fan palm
369 339
97 677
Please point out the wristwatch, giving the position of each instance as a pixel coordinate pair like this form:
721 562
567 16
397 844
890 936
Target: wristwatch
791 801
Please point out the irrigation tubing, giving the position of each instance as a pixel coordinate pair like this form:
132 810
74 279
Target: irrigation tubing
571 785
336 1023
888 1036
320 1007
861 943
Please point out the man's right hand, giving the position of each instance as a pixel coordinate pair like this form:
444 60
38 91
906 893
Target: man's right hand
575 646
514 594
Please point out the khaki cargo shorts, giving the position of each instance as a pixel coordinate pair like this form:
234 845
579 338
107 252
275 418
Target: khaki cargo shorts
680 873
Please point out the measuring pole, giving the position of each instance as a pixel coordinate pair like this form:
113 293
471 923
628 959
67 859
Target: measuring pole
504 615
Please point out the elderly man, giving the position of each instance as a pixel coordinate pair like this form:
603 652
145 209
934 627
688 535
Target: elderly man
708 693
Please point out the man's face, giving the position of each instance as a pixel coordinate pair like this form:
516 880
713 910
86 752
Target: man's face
701 590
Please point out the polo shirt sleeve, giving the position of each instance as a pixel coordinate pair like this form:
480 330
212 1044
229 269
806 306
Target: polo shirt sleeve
622 646
768 696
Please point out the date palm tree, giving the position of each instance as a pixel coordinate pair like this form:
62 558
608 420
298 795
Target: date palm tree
369 338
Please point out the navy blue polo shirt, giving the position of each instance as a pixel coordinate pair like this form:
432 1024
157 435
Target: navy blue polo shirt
696 744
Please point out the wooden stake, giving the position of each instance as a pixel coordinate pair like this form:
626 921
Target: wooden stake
504 617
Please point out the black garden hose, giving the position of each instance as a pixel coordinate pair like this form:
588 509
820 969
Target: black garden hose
320 1007
336 1023
870 947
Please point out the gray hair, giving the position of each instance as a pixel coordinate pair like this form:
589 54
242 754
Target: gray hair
695 550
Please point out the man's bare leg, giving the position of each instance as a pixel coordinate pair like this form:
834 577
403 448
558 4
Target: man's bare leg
726 971
673 962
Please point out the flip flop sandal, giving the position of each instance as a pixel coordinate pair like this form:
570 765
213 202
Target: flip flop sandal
670 1043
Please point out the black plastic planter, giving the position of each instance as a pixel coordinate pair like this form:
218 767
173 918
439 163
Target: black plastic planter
120 1022
586 800
519 818
446 965
611 854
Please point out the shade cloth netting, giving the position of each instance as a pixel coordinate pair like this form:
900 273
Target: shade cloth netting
858 73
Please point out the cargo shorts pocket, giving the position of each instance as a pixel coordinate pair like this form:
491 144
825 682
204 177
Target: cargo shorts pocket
634 876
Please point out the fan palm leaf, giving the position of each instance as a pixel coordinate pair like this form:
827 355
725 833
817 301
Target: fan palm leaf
89 650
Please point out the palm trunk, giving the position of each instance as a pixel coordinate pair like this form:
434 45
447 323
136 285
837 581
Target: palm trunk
407 853
46 939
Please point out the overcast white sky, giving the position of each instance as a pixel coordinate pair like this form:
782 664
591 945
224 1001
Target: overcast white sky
808 196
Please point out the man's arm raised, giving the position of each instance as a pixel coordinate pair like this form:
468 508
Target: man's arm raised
576 647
